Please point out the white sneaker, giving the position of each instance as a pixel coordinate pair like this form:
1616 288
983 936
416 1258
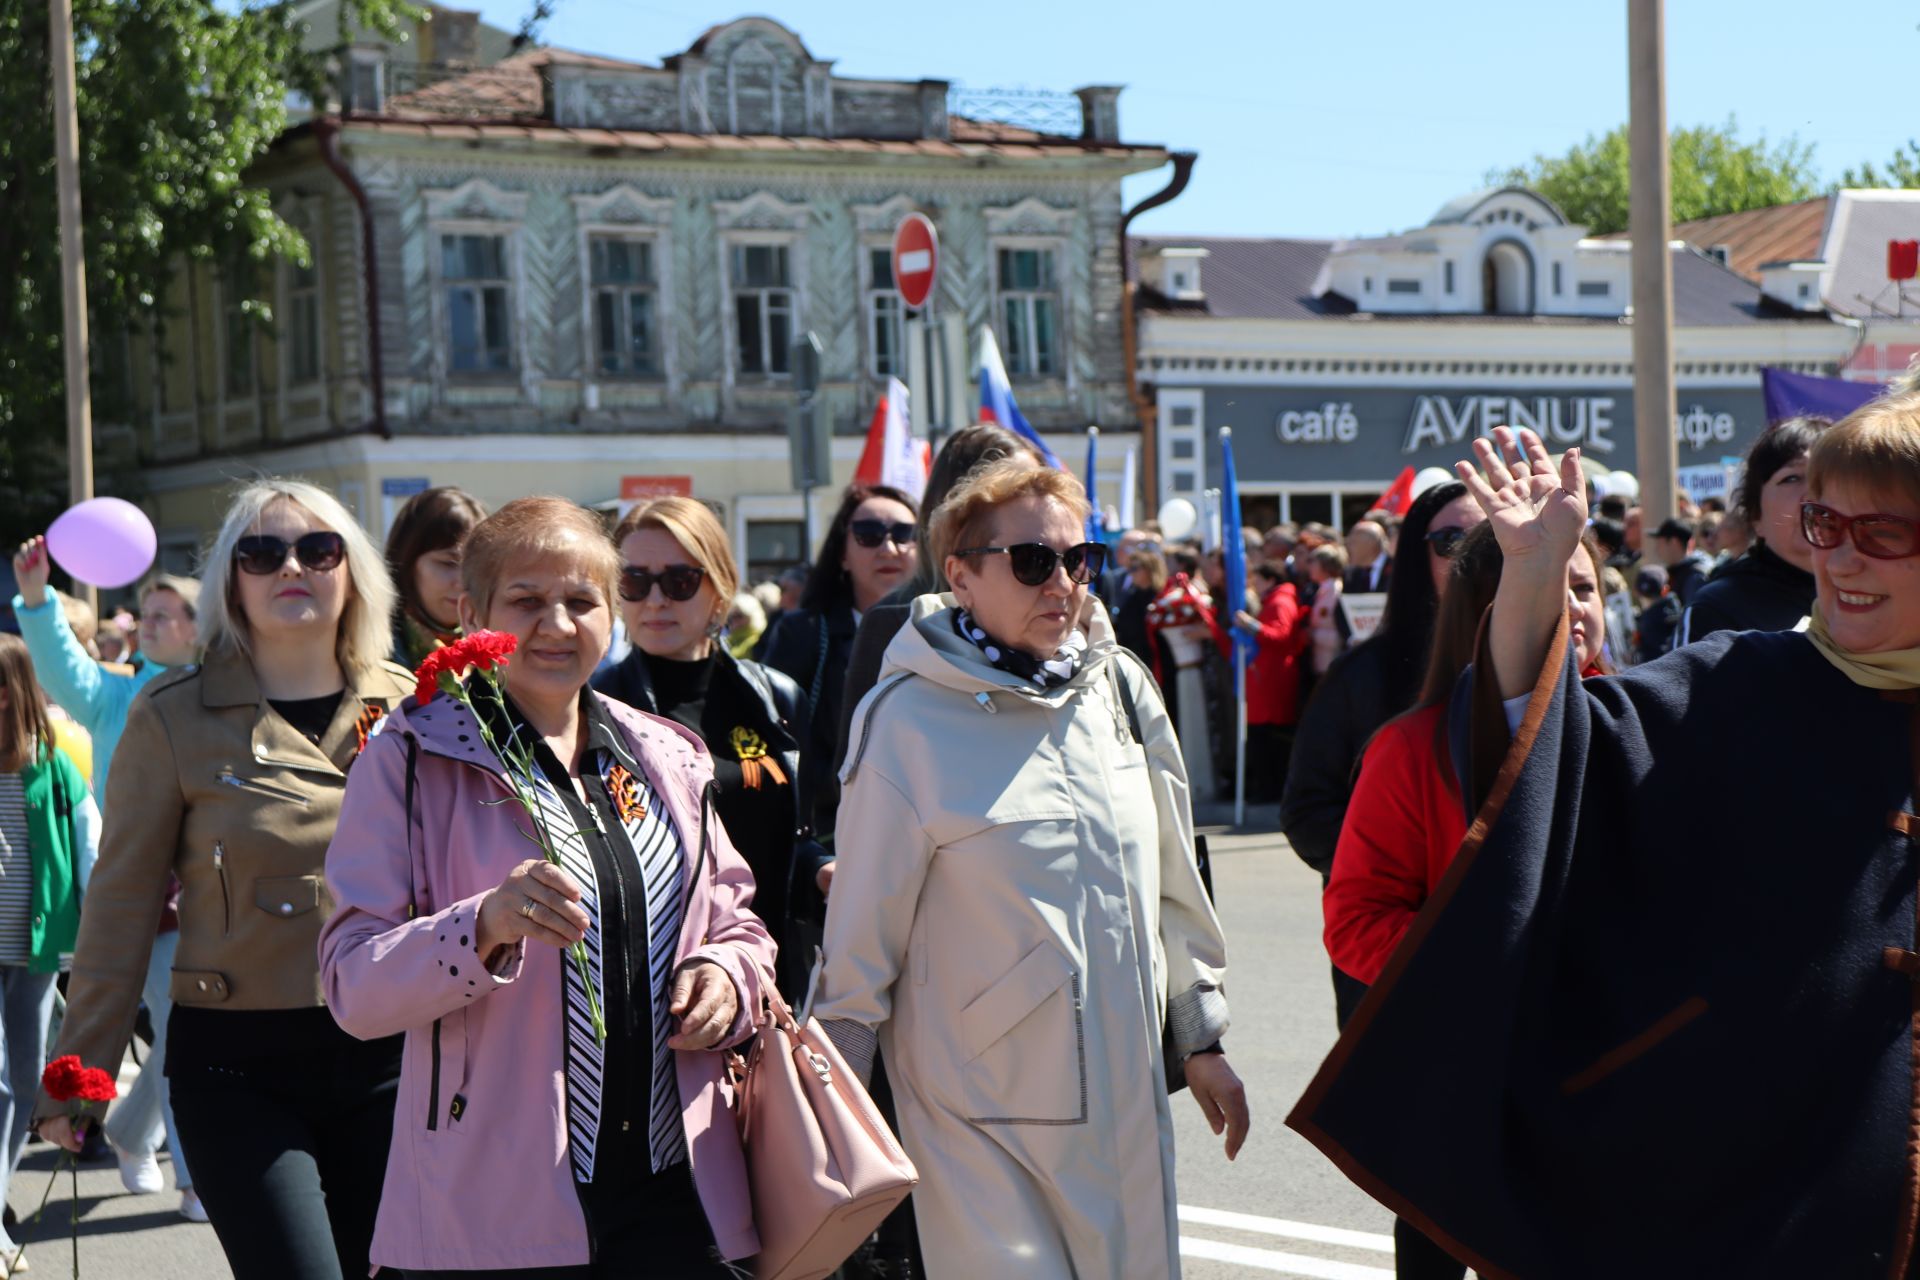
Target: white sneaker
140 1174
190 1207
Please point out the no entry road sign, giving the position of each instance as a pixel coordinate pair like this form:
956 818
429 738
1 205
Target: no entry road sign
916 259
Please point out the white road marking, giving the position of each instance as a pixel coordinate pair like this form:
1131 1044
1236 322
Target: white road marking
1291 1264
1281 1227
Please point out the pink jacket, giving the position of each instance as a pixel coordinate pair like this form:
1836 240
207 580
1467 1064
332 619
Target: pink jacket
478 1176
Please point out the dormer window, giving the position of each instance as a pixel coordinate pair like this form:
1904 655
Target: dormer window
753 90
1180 273
1506 280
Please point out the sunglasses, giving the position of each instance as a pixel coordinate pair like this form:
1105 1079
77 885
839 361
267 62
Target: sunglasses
871 533
1878 536
679 582
1446 542
262 553
1034 562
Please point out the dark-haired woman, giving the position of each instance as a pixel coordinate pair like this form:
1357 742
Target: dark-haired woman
423 555
1407 818
1770 588
1368 686
868 553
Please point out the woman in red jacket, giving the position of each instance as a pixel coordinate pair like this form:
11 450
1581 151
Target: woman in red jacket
1283 630
1406 820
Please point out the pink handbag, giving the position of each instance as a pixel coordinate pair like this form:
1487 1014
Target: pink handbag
823 1168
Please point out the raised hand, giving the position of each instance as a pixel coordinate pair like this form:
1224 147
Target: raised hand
1537 514
31 568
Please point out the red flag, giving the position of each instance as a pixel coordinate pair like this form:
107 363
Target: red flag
892 456
1399 494
1903 259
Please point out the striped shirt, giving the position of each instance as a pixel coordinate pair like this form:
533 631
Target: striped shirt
16 873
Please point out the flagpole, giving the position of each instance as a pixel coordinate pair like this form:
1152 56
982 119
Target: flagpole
1240 742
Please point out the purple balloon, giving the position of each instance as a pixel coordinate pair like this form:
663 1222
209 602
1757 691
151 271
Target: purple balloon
107 542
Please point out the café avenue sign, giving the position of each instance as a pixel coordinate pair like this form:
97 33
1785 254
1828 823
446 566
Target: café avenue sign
1441 421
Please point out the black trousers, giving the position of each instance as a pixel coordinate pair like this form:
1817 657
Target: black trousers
289 1119
660 1233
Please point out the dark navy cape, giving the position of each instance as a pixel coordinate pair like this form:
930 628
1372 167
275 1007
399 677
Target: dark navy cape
1657 1020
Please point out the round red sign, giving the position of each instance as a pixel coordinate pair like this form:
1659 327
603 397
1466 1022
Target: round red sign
916 259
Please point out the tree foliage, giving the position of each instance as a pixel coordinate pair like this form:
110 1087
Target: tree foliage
176 99
1713 172
1902 170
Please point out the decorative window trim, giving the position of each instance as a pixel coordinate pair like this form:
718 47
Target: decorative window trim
869 296
306 215
882 218
752 51
475 200
1030 217
761 211
516 275
739 222
626 212
1064 284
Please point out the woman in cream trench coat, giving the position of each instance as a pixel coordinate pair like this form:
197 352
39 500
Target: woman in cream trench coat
1016 917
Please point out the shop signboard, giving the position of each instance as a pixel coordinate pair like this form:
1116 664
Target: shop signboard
1330 435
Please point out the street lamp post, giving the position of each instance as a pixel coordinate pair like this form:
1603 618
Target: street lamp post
73 263
1649 223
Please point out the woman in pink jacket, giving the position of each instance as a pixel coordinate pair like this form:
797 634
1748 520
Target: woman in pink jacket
523 1145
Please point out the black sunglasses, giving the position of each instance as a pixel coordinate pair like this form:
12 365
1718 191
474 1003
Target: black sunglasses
1446 542
262 553
871 533
1034 562
677 582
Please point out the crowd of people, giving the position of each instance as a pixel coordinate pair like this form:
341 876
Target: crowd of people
391 1033
934 787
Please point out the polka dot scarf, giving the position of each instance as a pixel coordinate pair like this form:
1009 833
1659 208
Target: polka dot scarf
1050 674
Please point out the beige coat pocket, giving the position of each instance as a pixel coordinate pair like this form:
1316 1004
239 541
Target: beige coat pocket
287 896
1025 1044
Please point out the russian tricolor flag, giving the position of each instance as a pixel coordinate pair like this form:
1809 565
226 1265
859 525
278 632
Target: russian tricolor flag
996 396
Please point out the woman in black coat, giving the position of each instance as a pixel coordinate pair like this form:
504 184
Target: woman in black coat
677 580
868 552
1770 588
1368 686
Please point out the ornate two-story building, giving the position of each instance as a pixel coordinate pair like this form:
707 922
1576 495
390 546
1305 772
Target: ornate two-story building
571 274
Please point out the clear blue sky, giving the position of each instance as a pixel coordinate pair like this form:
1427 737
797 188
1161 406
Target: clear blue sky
1356 116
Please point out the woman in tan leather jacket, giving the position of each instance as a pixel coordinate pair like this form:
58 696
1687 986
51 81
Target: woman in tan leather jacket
230 776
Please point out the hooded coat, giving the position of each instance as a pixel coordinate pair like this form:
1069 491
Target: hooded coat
1016 910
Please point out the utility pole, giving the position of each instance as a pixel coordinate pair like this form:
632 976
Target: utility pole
73 262
1649 224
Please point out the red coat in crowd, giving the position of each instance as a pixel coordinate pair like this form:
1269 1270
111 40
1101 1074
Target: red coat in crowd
1404 824
1273 676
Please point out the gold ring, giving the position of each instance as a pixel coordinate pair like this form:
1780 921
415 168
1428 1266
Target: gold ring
527 908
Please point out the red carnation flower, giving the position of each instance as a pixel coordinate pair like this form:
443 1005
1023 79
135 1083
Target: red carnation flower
96 1086
483 650
63 1078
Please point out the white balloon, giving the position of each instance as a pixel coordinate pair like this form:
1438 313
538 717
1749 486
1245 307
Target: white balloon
1178 519
1427 477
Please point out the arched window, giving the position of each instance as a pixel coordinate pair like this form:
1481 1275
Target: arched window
1506 280
753 90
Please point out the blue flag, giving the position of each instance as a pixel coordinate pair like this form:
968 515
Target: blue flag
1793 395
1232 548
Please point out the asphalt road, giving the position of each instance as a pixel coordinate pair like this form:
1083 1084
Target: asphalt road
1280 1209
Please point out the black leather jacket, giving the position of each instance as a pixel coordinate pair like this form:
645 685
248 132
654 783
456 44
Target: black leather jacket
760 694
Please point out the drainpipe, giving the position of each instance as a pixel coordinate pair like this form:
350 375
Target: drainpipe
1144 409
328 134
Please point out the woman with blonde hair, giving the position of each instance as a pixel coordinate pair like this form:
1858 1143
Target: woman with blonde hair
229 776
1017 917
1631 1034
677 577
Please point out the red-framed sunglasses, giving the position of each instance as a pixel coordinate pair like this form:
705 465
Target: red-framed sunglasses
1882 537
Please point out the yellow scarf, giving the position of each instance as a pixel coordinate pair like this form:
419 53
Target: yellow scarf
1894 669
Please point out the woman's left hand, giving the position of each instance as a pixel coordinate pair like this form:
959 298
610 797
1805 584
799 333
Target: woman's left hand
706 1004
1222 1098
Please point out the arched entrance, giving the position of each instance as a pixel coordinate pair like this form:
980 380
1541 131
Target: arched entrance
1506 280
